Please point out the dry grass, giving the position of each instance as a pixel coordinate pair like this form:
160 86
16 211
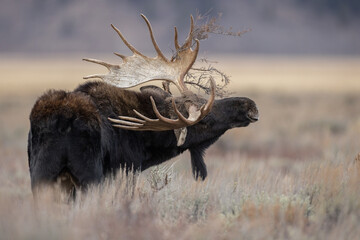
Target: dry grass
293 175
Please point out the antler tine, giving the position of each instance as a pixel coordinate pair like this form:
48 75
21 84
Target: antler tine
177 45
120 55
193 59
160 54
131 119
158 114
107 65
207 107
144 117
178 113
126 42
133 128
101 76
124 122
188 40
181 117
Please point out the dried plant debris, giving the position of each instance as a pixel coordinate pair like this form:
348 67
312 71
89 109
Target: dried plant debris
199 77
205 25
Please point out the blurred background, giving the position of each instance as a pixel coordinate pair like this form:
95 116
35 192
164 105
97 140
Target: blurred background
320 27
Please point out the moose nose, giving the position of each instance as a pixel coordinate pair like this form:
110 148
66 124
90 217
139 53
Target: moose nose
253 116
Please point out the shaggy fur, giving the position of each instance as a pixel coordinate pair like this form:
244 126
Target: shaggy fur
70 134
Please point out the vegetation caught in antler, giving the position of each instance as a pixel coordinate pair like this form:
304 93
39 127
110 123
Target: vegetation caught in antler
199 77
210 25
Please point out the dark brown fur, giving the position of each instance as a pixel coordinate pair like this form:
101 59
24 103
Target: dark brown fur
61 103
71 134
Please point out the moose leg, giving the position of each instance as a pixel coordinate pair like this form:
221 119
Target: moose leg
89 170
85 156
45 165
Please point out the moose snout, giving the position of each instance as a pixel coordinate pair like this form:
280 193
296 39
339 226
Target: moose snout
253 115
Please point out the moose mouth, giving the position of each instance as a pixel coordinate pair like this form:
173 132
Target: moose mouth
253 118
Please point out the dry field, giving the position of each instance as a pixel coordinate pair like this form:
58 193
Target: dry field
293 175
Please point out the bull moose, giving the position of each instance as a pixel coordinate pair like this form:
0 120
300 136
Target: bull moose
86 134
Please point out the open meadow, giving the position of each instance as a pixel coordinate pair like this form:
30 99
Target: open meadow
295 174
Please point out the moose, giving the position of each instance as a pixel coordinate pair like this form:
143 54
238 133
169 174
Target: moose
89 133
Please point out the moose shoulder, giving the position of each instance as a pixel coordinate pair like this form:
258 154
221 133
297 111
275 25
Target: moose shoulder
99 128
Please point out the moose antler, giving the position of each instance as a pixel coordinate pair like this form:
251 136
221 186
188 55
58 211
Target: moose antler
162 123
138 69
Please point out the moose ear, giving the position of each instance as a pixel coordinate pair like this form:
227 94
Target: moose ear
154 90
